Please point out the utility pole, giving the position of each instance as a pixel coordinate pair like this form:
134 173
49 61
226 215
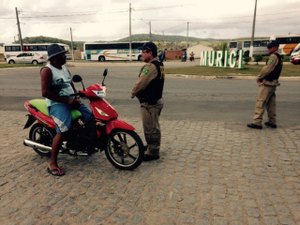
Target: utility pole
187 34
130 41
253 30
72 47
150 34
19 28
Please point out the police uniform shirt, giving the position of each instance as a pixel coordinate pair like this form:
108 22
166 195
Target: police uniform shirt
267 69
147 74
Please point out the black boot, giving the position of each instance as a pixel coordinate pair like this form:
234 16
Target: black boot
254 126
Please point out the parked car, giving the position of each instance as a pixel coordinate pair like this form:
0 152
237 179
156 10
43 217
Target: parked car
295 59
26 57
295 55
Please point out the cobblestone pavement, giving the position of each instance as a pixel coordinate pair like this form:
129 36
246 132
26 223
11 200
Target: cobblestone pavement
209 173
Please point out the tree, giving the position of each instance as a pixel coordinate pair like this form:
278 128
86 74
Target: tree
258 58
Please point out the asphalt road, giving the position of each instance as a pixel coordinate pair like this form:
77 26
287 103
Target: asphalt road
185 97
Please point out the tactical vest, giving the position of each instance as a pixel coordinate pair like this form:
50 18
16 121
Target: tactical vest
274 75
153 92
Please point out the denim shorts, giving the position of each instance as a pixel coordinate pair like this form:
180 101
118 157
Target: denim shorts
61 114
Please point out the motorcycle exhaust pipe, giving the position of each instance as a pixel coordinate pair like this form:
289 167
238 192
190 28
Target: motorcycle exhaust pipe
34 144
42 147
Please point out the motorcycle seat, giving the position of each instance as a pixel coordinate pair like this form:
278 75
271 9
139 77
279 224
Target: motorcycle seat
41 105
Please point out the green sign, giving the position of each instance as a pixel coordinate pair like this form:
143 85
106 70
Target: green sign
223 59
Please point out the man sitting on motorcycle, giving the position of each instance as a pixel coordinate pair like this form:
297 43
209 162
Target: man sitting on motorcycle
57 87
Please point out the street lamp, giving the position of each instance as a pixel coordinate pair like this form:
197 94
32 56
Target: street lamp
253 29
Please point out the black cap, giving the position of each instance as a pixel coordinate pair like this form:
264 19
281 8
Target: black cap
273 44
54 50
150 46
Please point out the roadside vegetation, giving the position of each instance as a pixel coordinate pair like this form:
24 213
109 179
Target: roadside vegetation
6 65
288 70
178 42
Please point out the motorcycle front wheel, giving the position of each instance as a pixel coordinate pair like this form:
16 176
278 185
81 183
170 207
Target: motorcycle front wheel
42 135
124 149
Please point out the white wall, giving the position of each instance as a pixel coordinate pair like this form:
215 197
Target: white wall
1 49
197 49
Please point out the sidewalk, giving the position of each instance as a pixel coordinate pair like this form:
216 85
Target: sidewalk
209 173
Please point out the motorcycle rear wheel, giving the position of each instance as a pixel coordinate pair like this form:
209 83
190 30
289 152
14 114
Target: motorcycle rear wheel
124 149
42 135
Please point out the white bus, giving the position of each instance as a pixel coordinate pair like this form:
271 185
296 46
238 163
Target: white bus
40 48
287 45
112 51
259 46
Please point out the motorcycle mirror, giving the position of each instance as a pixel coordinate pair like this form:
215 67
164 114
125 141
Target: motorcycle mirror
105 72
76 78
104 75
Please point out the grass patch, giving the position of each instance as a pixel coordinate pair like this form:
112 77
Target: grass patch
6 65
288 70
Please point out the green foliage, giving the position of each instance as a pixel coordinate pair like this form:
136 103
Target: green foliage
218 45
258 58
288 70
6 65
223 46
167 38
173 42
43 39
247 59
170 42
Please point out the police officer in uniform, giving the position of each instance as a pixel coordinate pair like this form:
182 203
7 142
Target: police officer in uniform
149 89
267 81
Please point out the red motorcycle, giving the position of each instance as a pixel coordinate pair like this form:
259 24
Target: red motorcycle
122 145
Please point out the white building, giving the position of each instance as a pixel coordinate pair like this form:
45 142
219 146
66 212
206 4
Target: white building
1 48
197 49
1 52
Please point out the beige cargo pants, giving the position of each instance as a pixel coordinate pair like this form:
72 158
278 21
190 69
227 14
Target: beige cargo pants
266 99
150 119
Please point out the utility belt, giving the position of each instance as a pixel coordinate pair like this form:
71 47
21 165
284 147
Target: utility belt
272 83
149 102
270 79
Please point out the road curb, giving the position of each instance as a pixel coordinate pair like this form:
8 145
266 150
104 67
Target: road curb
226 77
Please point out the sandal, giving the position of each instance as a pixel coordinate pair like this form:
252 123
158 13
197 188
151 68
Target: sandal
56 171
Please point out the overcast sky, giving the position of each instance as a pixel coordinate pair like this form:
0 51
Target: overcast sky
108 20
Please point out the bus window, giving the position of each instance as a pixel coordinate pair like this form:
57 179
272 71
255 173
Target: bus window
12 48
33 48
233 44
42 48
247 44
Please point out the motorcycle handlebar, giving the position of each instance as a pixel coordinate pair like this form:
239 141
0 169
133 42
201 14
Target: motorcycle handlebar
77 94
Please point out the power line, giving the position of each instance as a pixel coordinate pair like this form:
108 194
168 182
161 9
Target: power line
25 11
7 18
161 7
222 18
40 17
89 13
54 16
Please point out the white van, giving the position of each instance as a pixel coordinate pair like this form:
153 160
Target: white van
295 55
